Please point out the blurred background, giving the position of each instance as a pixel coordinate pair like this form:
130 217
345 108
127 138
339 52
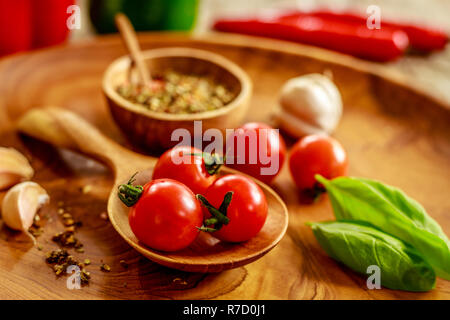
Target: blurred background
31 24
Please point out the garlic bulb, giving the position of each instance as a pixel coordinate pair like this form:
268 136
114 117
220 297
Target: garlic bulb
310 104
14 167
21 203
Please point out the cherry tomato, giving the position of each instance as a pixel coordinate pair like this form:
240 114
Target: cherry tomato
185 164
316 154
166 216
263 157
246 212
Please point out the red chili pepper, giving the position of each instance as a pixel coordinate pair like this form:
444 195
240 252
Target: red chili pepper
378 44
15 26
420 38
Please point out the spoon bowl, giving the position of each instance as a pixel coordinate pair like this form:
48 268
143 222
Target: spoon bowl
65 129
206 254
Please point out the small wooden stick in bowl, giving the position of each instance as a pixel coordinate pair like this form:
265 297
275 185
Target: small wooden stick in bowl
130 40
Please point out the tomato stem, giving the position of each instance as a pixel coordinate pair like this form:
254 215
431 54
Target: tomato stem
206 229
222 218
226 202
213 162
128 193
211 221
219 216
315 192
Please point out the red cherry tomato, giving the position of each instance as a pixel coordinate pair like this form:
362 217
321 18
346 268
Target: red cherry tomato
190 169
267 152
247 211
316 154
166 216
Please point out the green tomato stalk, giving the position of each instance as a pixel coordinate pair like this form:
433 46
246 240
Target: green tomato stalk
130 194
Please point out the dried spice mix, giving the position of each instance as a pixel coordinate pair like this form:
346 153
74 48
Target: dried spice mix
178 93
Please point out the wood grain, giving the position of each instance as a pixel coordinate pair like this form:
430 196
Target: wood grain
392 131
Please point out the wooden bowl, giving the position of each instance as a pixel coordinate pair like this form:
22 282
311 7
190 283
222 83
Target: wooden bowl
152 129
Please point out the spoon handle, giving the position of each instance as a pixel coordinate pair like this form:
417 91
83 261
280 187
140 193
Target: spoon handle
65 129
130 40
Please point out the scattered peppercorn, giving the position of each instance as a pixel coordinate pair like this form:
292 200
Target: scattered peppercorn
86 189
67 216
67 239
104 267
36 231
69 222
85 276
57 256
124 264
70 229
61 260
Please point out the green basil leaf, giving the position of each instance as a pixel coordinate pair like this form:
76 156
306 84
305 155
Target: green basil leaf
393 212
359 246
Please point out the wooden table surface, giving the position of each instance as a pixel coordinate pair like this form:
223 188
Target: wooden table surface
392 131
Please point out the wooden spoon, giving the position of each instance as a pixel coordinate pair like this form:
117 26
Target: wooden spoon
65 129
129 38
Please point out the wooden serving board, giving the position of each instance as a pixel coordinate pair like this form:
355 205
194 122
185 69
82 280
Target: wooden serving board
392 132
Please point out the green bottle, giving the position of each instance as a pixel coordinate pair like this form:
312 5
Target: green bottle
144 14
181 14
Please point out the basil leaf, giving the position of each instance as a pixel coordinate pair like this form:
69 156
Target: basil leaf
359 246
393 212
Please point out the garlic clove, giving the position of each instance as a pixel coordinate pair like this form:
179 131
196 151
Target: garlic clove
298 94
295 126
14 167
328 85
21 203
315 103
